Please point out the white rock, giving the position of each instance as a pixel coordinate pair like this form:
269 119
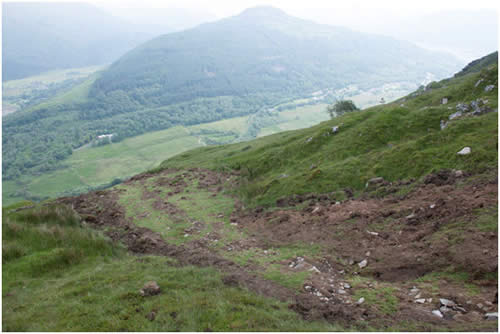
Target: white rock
316 270
335 129
341 291
491 316
432 206
347 286
368 253
372 233
488 88
363 264
446 302
464 151
360 301
420 301
437 313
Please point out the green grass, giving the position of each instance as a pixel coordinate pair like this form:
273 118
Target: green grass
381 298
389 141
92 167
59 276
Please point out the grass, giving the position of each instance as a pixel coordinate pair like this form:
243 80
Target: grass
59 276
381 298
93 167
390 141
450 275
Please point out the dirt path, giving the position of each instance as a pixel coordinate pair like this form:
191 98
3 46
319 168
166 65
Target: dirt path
370 247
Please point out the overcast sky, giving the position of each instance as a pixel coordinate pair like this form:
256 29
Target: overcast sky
469 36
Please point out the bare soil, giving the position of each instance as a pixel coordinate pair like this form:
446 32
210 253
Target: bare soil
402 238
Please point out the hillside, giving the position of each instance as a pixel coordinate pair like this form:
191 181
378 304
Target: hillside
371 221
234 67
40 37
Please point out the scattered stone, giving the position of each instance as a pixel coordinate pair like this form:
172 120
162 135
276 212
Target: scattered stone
491 316
372 233
455 115
309 139
443 125
432 206
368 253
335 129
447 302
186 235
151 316
462 107
347 286
341 291
234 224
313 166
414 291
489 88
444 100
478 83
464 151
418 295
429 300
420 301
459 173
316 270
363 264
282 176
360 301
220 216
150 289
437 313
479 305
374 181
351 262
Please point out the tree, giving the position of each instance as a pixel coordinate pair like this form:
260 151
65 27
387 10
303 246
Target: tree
341 107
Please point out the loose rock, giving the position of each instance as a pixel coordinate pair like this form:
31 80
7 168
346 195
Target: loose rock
150 289
491 316
437 313
464 151
489 88
363 264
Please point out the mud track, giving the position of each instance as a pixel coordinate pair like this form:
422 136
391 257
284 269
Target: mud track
399 236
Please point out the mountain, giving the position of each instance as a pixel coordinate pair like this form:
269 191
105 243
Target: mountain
38 37
233 67
371 221
263 51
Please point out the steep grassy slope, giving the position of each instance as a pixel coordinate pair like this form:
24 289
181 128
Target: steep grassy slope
396 141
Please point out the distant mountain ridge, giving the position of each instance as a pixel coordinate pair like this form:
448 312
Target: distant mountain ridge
39 37
263 50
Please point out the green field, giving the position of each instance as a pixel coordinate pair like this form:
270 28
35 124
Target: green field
24 92
91 167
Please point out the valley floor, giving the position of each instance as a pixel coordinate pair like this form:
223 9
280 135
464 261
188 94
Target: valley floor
412 256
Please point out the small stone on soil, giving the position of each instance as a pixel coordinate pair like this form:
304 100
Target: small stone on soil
363 264
437 313
360 301
151 316
491 316
420 301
